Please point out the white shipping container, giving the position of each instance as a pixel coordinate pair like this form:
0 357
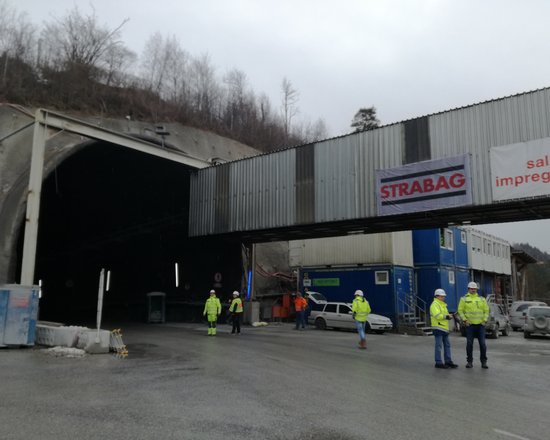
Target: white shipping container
387 248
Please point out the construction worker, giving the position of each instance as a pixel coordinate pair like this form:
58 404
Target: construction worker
440 318
212 309
300 305
360 309
236 310
474 313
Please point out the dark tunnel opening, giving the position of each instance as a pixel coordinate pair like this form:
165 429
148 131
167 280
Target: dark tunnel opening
125 211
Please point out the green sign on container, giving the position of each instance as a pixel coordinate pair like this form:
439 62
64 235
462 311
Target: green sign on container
326 282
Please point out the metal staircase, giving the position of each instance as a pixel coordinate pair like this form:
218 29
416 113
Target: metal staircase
412 316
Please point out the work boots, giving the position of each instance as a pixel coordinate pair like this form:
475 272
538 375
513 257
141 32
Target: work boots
363 344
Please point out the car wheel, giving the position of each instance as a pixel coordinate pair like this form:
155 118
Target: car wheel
507 330
379 332
540 322
321 324
526 334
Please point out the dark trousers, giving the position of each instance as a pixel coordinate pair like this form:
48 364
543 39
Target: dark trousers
476 331
236 318
300 319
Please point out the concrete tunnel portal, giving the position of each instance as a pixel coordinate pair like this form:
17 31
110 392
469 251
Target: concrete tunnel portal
111 207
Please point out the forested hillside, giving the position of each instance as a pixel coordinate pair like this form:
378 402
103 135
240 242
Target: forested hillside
74 64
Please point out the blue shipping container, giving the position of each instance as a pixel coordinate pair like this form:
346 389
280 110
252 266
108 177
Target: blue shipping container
427 249
382 285
441 277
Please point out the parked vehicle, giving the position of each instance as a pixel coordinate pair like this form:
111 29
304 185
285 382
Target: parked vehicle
517 312
537 321
497 323
339 315
316 298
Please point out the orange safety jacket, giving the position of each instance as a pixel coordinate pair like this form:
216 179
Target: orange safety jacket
300 304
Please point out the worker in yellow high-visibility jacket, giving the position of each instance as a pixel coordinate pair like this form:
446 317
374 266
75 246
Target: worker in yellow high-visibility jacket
212 309
474 312
236 310
440 318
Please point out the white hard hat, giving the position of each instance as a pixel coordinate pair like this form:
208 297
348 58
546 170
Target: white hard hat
472 285
212 291
358 293
235 293
439 292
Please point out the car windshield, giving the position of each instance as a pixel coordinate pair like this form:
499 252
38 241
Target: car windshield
317 296
539 311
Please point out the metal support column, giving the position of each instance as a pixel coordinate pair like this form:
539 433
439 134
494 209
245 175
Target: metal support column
33 203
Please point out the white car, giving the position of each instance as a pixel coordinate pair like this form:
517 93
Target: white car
537 321
339 315
517 312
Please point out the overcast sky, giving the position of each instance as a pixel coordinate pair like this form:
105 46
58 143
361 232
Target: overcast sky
408 58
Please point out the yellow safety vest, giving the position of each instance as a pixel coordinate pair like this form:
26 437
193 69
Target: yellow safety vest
236 306
473 308
438 313
361 308
212 306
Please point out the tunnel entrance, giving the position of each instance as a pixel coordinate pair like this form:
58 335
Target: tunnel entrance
111 207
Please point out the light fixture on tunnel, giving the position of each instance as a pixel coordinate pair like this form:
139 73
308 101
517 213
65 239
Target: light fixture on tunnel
108 281
39 289
467 222
176 268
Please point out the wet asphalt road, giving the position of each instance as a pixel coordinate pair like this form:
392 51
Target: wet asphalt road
275 383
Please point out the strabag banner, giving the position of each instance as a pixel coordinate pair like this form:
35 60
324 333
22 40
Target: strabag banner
424 186
521 170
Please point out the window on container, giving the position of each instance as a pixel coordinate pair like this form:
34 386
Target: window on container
382 277
463 236
475 243
451 277
449 244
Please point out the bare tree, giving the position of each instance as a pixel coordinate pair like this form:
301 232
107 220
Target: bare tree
289 109
79 40
16 38
204 88
118 61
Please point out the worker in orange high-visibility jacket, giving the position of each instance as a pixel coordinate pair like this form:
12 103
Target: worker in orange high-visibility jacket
300 305
236 310
212 309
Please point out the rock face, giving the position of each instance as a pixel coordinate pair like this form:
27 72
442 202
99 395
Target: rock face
16 135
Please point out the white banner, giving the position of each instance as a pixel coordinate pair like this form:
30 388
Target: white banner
521 170
423 186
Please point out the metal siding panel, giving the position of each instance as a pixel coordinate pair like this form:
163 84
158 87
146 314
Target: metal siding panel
476 129
305 184
345 172
262 192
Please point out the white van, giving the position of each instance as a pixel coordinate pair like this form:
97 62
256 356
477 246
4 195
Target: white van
517 309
